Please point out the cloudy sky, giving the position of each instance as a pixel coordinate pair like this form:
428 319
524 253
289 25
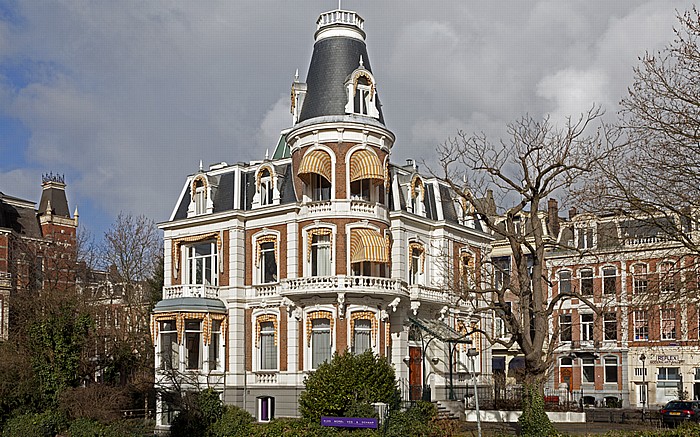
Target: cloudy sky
125 98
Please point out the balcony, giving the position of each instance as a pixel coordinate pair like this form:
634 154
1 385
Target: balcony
191 290
431 294
266 378
264 290
335 284
355 208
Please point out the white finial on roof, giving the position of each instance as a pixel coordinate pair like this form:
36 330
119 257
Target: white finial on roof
339 1
296 76
362 62
201 167
267 153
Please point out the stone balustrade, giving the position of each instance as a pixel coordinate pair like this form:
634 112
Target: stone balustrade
190 290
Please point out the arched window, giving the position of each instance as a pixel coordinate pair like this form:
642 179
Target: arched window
416 266
417 195
200 197
316 171
266 188
361 93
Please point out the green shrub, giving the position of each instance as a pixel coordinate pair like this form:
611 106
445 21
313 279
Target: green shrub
418 420
348 383
198 412
30 425
235 421
84 427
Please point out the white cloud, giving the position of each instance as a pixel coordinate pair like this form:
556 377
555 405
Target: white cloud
276 118
574 92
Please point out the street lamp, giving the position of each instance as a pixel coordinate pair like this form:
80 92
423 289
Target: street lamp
472 353
643 358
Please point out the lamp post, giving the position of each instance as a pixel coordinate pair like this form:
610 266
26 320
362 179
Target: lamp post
643 358
472 353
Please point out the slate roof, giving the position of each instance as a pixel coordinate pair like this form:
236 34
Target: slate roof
333 60
21 219
59 203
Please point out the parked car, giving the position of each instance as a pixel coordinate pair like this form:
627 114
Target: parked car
676 412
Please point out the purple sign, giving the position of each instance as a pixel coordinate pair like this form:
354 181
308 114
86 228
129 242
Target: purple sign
349 422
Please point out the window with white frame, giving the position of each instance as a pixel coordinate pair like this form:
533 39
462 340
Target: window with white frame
667 280
362 96
668 324
609 327
588 369
320 188
585 238
216 346
564 281
202 263
169 345
200 197
268 346
320 256
501 271
639 278
266 187
668 377
609 280
416 265
320 341
361 189
641 325
610 365
586 277
193 344
499 325
586 327
565 327
267 260
362 336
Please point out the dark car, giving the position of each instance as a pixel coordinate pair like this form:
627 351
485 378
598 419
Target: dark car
676 412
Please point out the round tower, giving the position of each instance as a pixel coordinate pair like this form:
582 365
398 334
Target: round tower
340 146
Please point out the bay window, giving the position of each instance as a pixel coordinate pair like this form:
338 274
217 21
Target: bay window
169 346
215 346
193 344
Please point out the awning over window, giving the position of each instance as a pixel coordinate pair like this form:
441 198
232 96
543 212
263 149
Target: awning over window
318 162
368 245
365 165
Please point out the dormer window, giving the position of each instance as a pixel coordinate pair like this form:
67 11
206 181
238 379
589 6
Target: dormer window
266 192
266 188
361 89
200 196
417 195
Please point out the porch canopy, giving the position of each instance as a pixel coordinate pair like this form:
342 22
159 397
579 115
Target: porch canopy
440 330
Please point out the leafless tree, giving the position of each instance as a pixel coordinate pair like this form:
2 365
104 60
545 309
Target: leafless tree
656 176
537 161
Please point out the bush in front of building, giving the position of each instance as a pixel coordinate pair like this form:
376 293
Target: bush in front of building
234 421
50 422
198 413
347 386
417 420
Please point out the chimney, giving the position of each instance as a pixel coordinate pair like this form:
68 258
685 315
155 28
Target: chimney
553 216
572 213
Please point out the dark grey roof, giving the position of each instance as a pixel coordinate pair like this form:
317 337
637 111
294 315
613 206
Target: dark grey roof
607 234
184 204
196 304
634 228
223 197
448 206
429 202
287 193
20 219
59 204
333 60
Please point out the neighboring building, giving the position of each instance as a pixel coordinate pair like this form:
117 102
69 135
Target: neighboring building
37 246
273 266
645 288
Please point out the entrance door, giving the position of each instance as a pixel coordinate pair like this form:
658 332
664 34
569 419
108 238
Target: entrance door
415 377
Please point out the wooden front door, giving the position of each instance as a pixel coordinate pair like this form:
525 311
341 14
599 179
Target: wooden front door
415 374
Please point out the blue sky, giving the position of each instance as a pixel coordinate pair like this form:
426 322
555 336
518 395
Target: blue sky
125 98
